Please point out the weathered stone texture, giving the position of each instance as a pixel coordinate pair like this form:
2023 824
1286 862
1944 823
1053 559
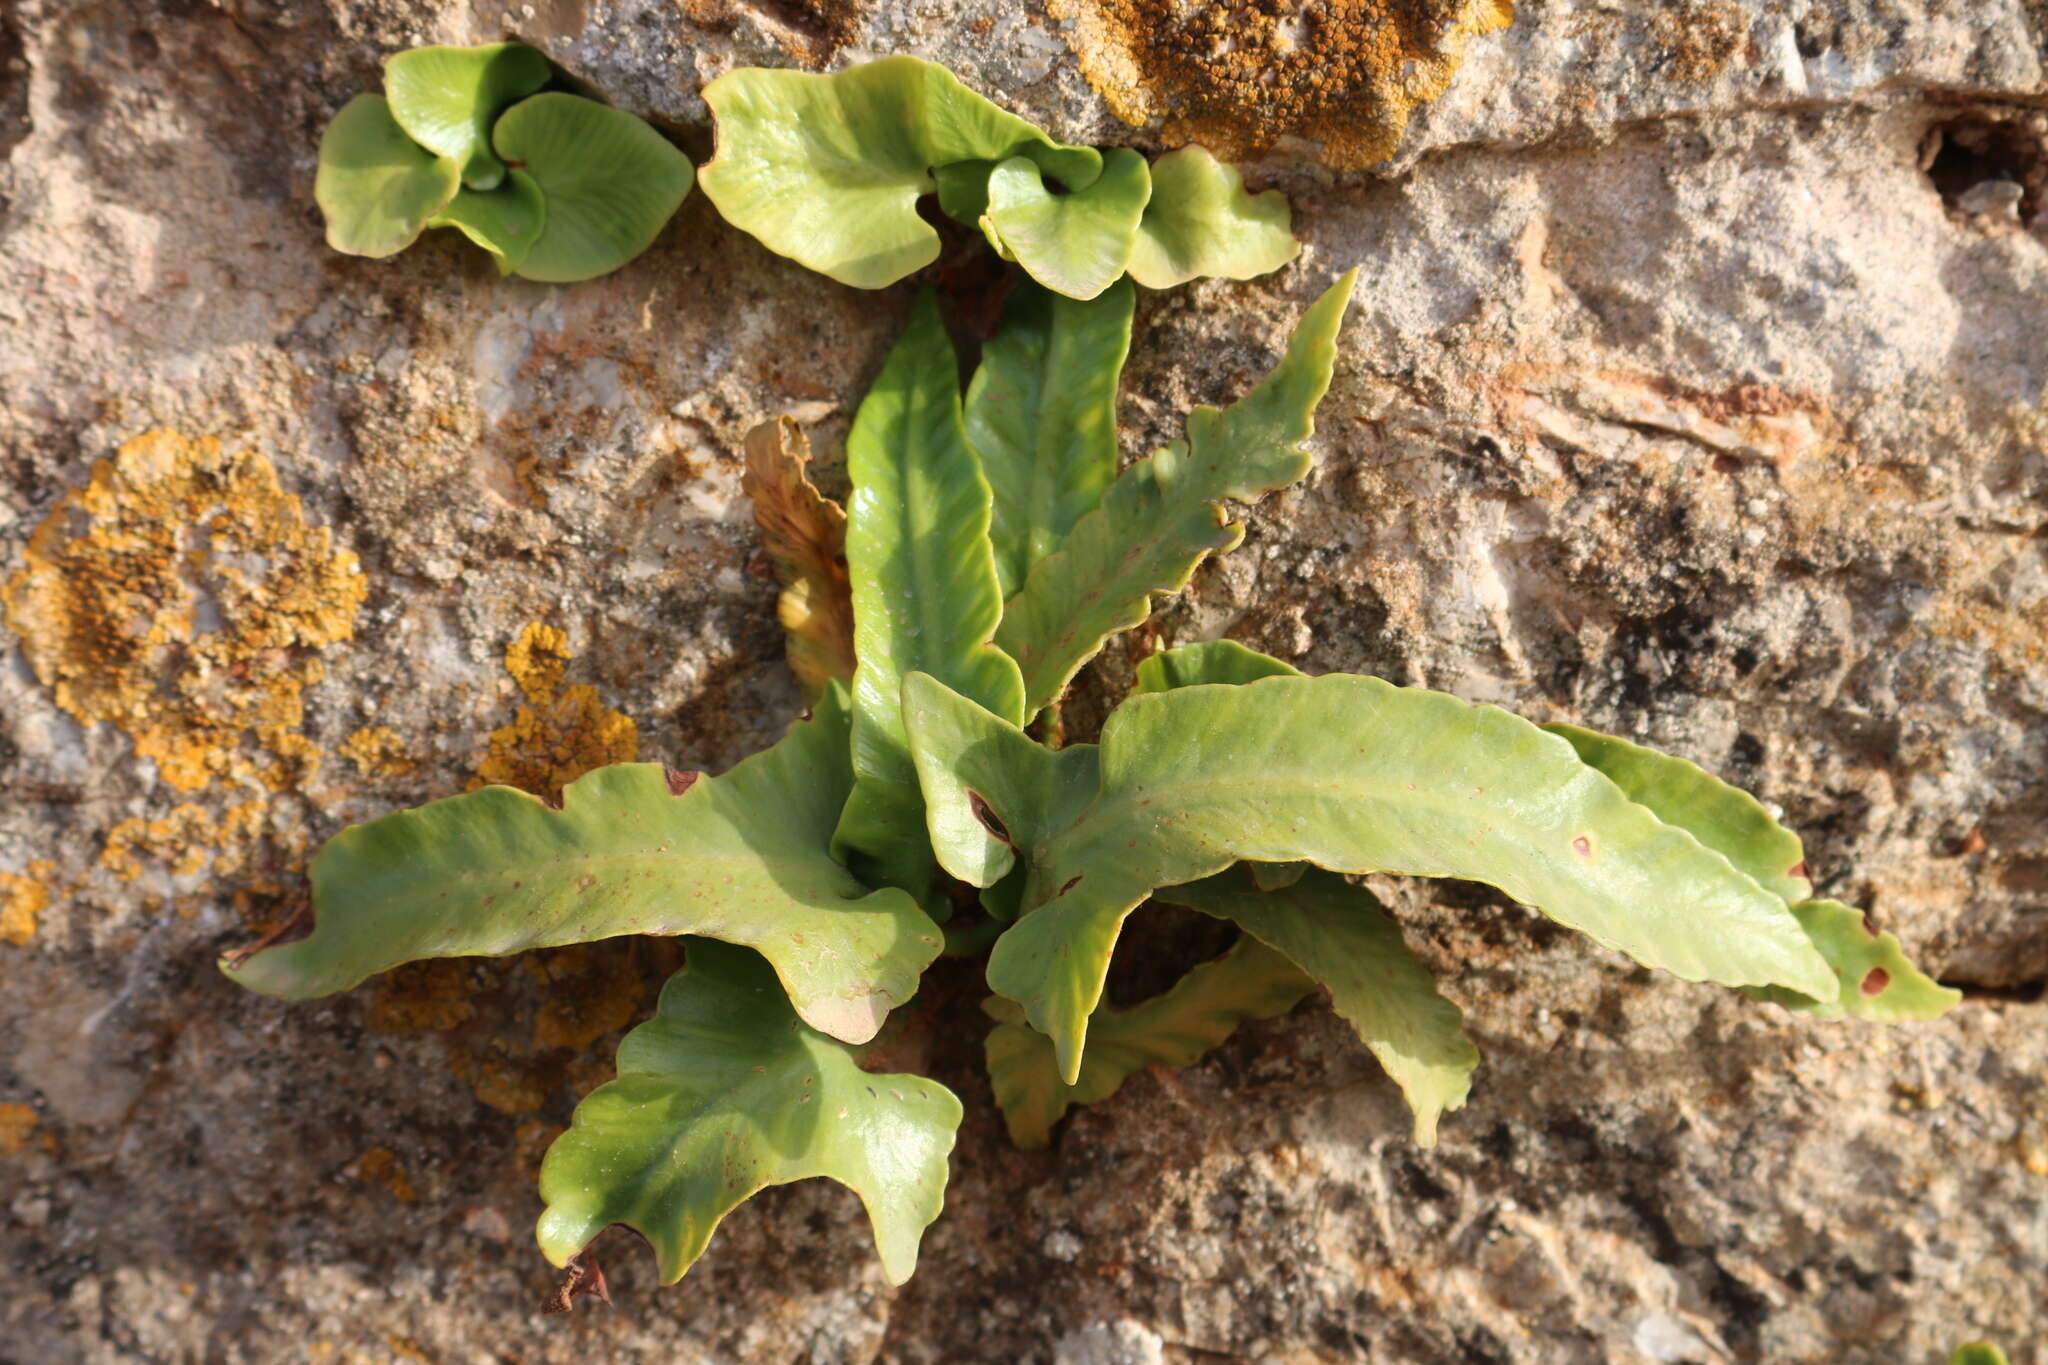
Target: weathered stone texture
1696 391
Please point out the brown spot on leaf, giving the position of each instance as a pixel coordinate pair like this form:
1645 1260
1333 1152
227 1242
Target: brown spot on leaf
1239 78
1583 846
1798 870
987 816
584 1276
1875 980
679 781
1072 882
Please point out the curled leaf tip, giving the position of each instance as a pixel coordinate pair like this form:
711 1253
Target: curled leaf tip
290 929
585 1276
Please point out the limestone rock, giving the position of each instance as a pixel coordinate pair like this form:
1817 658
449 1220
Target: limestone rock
1695 392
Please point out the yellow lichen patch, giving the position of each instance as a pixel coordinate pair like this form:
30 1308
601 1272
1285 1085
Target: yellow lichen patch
1240 75
17 1122
575 996
190 843
235 837
183 841
378 752
22 902
379 1166
509 1085
538 660
181 596
560 733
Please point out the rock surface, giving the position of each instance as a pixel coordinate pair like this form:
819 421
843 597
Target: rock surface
1696 393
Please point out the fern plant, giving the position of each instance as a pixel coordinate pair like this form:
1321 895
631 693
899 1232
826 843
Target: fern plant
989 550
485 140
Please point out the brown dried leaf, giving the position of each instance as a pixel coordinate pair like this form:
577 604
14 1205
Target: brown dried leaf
804 533
584 1277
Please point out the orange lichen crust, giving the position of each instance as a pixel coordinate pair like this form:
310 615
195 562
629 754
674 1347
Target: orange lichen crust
22 900
17 1122
183 840
520 1028
241 851
561 732
181 596
423 997
1240 75
378 752
380 1166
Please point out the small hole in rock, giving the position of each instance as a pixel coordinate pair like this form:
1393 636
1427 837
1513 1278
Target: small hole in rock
1987 168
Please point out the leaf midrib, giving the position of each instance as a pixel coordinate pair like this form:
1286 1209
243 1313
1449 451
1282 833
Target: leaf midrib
1116 586
661 1167
1112 815
795 861
1047 493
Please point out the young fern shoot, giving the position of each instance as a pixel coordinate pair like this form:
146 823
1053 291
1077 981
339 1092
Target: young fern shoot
555 186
